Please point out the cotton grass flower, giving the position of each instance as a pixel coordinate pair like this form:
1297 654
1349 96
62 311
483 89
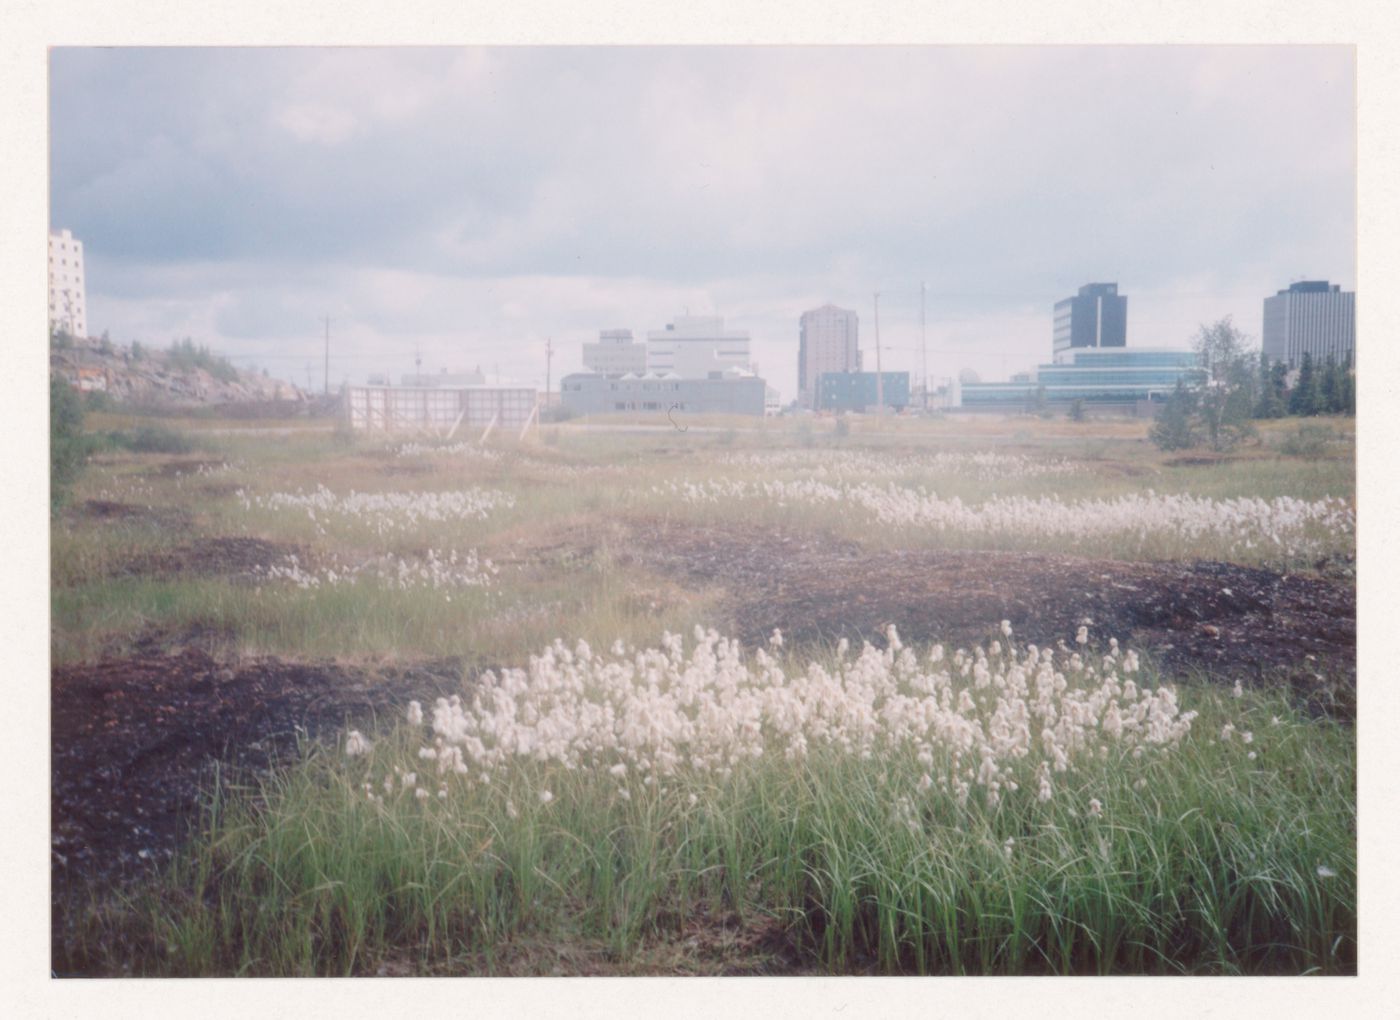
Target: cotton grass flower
356 745
1323 871
979 726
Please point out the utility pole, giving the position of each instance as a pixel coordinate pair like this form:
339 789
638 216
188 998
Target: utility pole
548 360
923 343
417 365
328 356
879 375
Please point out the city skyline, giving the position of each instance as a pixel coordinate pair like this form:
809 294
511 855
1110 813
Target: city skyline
238 195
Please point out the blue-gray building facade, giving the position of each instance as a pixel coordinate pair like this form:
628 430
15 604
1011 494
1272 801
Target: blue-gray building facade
1310 317
860 391
720 393
1119 377
1095 317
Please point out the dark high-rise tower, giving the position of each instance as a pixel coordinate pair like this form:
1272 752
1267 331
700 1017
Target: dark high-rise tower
1095 317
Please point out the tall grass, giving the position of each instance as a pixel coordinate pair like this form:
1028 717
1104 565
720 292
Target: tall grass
1222 864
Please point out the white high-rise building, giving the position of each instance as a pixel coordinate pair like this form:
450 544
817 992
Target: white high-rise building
615 353
67 284
1310 317
694 346
829 341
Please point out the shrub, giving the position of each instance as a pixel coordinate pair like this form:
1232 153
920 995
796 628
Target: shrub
67 446
150 439
1308 441
1174 428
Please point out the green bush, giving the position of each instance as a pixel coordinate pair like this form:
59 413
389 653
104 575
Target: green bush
67 446
150 439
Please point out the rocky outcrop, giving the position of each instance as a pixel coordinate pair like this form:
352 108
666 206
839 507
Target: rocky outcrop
153 379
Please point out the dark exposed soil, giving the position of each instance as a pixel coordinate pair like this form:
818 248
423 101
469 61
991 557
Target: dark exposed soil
1219 620
215 557
134 740
168 517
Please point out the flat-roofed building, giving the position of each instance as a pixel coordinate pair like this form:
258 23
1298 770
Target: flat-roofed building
862 391
828 341
67 285
695 345
1095 317
615 353
1121 377
1310 317
732 391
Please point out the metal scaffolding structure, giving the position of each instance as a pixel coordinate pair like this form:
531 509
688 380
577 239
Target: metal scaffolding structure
438 411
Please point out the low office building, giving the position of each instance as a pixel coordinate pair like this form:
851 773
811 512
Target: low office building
862 391
727 392
1123 378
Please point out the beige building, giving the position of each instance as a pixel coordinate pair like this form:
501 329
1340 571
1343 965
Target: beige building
694 346
829 341
615 353
67 285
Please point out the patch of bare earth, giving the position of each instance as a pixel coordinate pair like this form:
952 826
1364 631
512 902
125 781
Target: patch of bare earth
135 741
223 556
167 517
1215 619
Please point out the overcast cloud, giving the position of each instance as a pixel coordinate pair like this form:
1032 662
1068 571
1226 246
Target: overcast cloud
472 203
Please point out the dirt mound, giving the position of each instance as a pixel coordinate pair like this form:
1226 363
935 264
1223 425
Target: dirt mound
1218 619
216 557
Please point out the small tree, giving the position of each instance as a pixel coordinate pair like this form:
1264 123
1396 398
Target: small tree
1223 412
1270 402
1306 398
1175 427
1076 410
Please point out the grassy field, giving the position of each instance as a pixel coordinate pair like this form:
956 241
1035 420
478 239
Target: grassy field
647 803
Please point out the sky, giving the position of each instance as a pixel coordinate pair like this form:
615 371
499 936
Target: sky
466 205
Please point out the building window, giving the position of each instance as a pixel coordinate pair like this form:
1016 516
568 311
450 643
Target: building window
619 406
